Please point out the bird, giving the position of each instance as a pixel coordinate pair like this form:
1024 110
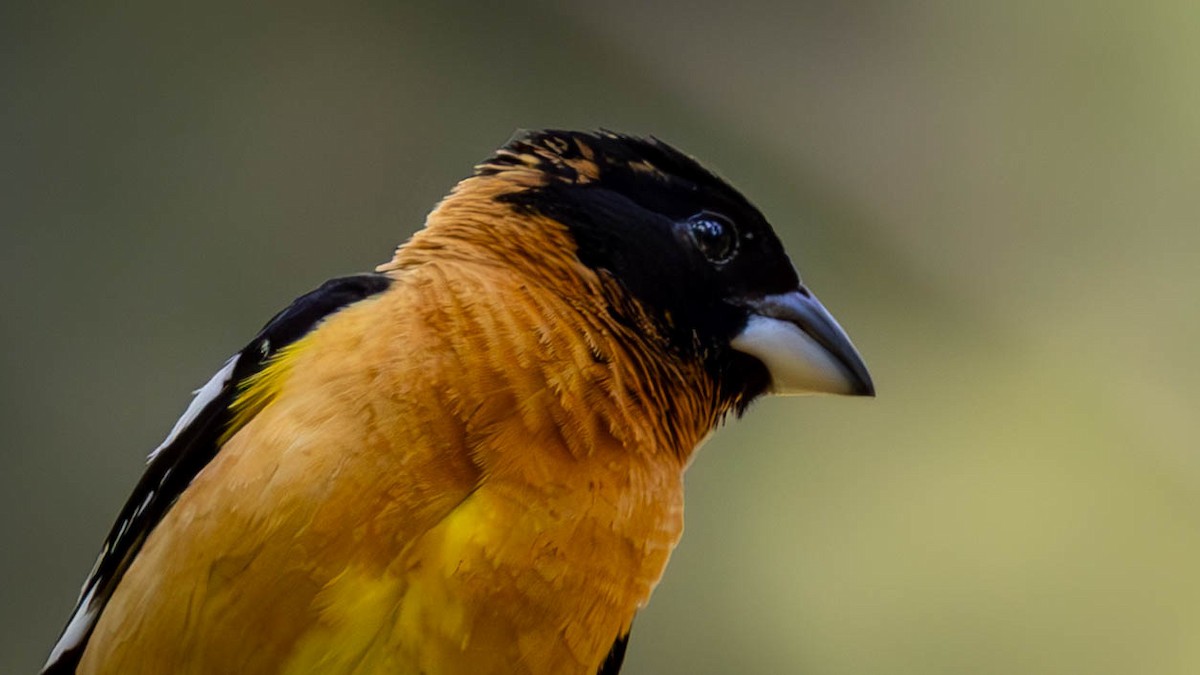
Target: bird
471 459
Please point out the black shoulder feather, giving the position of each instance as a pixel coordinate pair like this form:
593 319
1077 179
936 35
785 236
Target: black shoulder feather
616 657
190 446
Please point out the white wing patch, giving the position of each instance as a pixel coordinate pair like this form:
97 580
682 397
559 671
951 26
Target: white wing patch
203 396
89 606
81 624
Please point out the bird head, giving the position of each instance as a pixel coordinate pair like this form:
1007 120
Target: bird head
680 246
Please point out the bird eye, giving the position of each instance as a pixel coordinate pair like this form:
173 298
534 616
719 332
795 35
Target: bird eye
714 235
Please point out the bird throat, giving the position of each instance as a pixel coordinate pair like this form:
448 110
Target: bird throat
556 348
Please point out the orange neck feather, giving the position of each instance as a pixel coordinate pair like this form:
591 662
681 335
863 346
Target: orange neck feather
556 345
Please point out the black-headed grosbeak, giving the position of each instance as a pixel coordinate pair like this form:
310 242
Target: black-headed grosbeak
471 460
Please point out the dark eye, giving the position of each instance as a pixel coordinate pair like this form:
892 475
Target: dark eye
714 235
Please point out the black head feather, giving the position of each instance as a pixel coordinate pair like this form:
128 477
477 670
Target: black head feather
632 206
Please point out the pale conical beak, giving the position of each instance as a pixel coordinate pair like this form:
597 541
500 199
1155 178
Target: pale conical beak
802 346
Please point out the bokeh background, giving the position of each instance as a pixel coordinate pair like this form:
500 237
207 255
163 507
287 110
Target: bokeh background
998 200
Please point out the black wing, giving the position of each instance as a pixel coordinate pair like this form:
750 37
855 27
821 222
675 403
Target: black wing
190 446
616 656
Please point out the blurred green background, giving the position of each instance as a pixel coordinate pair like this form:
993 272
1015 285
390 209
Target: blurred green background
998 200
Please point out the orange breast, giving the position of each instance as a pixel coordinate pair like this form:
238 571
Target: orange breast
435 487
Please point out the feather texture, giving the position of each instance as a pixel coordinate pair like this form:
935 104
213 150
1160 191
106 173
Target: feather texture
388 513
469 463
